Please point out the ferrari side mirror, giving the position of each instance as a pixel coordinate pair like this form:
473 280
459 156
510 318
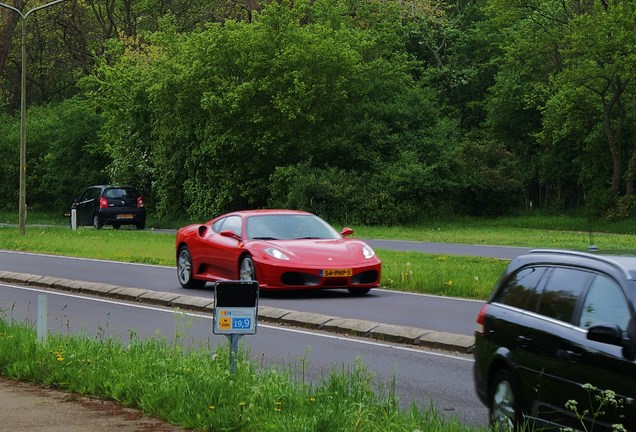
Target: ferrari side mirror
231 234
346 232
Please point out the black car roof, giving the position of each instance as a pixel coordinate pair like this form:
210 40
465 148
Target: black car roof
622 263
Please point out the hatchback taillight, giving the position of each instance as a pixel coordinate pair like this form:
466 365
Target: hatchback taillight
103 203
140 201
481 319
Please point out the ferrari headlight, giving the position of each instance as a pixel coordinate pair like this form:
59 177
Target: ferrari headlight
367 252
273 252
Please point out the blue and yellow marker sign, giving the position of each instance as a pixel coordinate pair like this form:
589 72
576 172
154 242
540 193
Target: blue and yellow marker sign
235 307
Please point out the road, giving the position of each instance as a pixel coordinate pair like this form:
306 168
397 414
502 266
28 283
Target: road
420 376
389 307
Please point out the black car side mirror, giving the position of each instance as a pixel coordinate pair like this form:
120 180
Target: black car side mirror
629 341
612 334
608 333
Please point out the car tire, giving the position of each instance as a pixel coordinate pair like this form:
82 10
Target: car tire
185 274
97 222
247 270
116 226
141 226
358 291
505 414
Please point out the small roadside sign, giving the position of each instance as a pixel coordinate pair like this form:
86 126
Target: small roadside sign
235 307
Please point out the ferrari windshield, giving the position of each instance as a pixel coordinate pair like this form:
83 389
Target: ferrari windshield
288 227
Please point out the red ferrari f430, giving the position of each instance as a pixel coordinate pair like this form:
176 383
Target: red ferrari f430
281 249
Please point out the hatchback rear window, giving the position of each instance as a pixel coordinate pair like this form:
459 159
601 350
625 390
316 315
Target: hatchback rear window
120 193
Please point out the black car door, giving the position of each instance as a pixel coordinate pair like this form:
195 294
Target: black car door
84 206
545 348
602 367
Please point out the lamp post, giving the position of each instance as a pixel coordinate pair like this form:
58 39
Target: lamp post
23 17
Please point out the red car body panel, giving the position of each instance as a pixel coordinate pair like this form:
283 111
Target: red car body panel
216 256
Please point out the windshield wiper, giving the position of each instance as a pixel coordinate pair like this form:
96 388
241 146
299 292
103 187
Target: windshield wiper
264 238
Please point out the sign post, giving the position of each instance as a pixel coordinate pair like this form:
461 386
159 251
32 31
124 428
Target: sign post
235 312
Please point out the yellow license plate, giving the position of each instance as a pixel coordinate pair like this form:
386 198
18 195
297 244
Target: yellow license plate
337 273
124 216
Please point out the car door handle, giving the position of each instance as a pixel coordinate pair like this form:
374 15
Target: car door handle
524 341
573 355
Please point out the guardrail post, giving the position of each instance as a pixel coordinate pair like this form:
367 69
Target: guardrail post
42 318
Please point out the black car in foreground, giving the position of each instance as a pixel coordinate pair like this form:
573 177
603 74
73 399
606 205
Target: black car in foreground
110 205
555 343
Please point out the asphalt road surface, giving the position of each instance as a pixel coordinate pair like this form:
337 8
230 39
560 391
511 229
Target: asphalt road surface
389 307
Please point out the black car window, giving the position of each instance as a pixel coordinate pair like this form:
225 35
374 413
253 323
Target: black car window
90 194
605 302
518 289
562 292
95 193
121 193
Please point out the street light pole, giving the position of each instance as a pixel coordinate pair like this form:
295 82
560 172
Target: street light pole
23 17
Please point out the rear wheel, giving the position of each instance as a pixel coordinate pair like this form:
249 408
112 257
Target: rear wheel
505 414
247 270
97 222
184 270
141 226
116 226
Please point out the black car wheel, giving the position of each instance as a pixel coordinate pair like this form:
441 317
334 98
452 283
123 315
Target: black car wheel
116 226
141 226
504 403
97 223
358 291
184 270
247 271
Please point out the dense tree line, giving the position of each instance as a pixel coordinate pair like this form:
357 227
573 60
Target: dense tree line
363 111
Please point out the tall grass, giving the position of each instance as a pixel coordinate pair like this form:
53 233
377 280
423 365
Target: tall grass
195 389
452 276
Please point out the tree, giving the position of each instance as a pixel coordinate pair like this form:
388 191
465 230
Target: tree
568 71
325 85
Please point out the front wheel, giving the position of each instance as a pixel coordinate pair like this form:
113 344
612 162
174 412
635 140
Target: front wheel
184 270
358 291
505 414
247 270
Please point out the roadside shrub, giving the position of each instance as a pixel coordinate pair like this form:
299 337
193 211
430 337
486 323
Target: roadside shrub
623 208
492 179
335 194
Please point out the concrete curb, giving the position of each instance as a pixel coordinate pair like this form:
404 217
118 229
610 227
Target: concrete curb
349 326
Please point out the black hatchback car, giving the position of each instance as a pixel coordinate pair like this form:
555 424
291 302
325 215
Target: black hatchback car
555 343
110 205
